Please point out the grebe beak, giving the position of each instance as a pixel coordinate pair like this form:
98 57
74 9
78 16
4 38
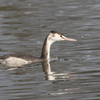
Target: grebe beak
68 39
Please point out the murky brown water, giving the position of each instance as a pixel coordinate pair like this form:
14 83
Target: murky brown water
23 27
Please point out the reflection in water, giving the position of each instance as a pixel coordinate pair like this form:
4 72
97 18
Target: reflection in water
56 77
64 91
52 76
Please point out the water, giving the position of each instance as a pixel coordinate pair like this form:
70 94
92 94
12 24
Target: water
76 75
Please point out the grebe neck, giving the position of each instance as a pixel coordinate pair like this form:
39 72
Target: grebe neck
46 49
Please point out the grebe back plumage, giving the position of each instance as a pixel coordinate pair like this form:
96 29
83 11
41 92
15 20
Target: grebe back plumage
18 60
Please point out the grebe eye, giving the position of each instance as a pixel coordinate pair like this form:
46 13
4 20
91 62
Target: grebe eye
61 35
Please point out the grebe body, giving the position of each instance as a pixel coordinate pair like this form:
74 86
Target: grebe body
18 60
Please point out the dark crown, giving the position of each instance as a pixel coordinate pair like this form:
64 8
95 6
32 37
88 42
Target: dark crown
54 32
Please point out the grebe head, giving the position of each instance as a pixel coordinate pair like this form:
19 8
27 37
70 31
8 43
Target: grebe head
55 36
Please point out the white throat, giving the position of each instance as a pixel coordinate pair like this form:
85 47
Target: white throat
46 49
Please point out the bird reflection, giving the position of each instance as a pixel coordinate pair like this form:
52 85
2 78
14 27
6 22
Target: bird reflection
53 76
50 75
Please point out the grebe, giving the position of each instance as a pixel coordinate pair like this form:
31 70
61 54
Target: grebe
18 60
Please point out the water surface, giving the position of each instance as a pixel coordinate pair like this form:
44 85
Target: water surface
76 75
